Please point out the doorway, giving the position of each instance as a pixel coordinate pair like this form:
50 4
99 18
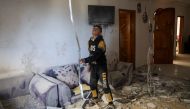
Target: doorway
179 35
164 36
127 19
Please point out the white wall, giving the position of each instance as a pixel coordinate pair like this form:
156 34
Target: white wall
35 34
181 9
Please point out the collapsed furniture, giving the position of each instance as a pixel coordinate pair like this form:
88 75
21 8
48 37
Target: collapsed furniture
59 86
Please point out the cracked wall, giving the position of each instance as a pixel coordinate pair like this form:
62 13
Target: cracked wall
36 34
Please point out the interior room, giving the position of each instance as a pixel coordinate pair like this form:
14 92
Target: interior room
44 45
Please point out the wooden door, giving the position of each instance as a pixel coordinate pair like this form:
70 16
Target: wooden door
127 35
181 29
164 36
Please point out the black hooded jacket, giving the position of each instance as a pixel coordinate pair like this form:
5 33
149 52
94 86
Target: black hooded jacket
97 49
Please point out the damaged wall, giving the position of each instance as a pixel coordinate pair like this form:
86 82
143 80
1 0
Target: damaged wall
36 34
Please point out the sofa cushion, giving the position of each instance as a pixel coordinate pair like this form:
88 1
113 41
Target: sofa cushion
85 73
67 74
77 89
115 78
50 91
121 75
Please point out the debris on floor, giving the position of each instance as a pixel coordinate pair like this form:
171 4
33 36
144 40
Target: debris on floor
169 93
22 102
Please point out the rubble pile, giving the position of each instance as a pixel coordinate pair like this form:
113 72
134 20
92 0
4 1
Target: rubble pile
164 85
22 102
140 99
169 93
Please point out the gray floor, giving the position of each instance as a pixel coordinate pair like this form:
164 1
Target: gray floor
172 91
182 59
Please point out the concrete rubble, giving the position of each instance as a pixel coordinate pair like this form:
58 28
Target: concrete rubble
151 105
22 102
170 93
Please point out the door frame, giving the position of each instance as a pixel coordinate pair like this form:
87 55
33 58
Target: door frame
134 34
181 31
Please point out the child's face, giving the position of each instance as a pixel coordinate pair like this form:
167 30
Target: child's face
96 31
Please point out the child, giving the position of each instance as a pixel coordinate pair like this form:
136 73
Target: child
98 64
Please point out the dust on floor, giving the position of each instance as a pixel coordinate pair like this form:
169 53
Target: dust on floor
169 92
136 97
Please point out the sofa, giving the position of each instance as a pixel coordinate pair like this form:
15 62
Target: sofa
121 75
59 86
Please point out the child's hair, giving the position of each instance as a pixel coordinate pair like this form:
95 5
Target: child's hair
98 26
